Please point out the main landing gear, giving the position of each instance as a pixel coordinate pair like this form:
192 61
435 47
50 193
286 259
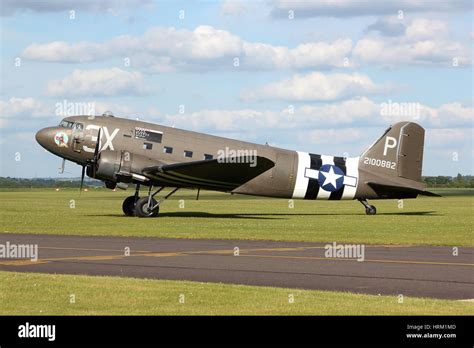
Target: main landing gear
369 209
144 206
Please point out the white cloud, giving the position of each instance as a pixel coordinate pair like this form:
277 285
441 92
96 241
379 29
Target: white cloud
22 113
308 55
354 113
422 28
346 127
224 120
332 136
318 86
450 114
98 82
234 8
389 26
168 49
387 42
10 7
360 112
60 51
31 113
422 42
351 8
119 110
442 137
23 107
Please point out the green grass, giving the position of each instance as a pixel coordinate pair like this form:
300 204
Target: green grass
43 294
422 221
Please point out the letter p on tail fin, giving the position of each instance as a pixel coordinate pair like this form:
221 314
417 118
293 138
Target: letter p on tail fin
398 152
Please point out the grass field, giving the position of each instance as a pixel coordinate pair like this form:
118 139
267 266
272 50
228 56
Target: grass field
422 221
43 294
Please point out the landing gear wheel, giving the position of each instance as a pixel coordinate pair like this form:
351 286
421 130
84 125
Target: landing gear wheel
142 209
370 210
128 206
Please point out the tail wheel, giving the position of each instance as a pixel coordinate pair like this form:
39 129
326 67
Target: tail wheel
143 210
128 206
370 210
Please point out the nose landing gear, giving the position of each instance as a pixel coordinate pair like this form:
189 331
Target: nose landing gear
369 209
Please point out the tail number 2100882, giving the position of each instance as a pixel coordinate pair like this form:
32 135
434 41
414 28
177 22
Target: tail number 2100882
379 163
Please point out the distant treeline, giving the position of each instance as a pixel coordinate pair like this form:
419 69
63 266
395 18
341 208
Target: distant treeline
449 181
431 181
47 183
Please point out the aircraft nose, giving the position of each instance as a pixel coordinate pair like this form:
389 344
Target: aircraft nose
48 138
42 136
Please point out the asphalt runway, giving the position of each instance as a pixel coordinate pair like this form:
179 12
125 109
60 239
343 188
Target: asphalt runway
387 270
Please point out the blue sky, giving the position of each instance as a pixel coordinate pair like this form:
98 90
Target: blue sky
334 66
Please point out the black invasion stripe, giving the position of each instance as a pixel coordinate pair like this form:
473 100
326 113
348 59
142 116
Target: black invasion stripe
341 163
313 184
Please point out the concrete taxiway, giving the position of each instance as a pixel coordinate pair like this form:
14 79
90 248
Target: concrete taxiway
426 271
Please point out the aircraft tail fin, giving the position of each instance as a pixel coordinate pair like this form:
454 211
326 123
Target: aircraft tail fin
398 152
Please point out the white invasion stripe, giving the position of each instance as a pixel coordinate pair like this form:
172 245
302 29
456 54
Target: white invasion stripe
301 184
311 173
323 194
352 170
350 180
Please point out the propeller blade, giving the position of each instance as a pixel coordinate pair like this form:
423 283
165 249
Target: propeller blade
96 154
82 177
61 169
97 145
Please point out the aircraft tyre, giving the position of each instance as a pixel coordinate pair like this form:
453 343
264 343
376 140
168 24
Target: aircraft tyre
370 210
128 206
141 208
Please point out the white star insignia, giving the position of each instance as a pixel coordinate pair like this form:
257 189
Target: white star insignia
331 177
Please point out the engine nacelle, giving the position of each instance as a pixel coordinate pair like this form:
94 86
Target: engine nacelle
120 166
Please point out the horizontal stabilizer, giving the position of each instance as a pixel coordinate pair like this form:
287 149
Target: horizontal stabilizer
218 174
399 191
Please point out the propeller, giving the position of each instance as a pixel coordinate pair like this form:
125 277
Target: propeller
92 162
82 178
95 158
61 169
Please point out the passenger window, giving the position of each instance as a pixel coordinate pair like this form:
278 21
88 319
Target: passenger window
208 157
168 149
188 153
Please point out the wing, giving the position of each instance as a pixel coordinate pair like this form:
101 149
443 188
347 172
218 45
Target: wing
222 175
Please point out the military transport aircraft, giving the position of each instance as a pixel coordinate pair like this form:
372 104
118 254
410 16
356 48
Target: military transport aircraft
122 151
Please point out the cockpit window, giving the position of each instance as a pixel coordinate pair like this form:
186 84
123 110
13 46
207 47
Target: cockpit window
66 124
78 126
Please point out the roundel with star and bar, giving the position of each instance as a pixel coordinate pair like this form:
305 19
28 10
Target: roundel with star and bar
326 177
